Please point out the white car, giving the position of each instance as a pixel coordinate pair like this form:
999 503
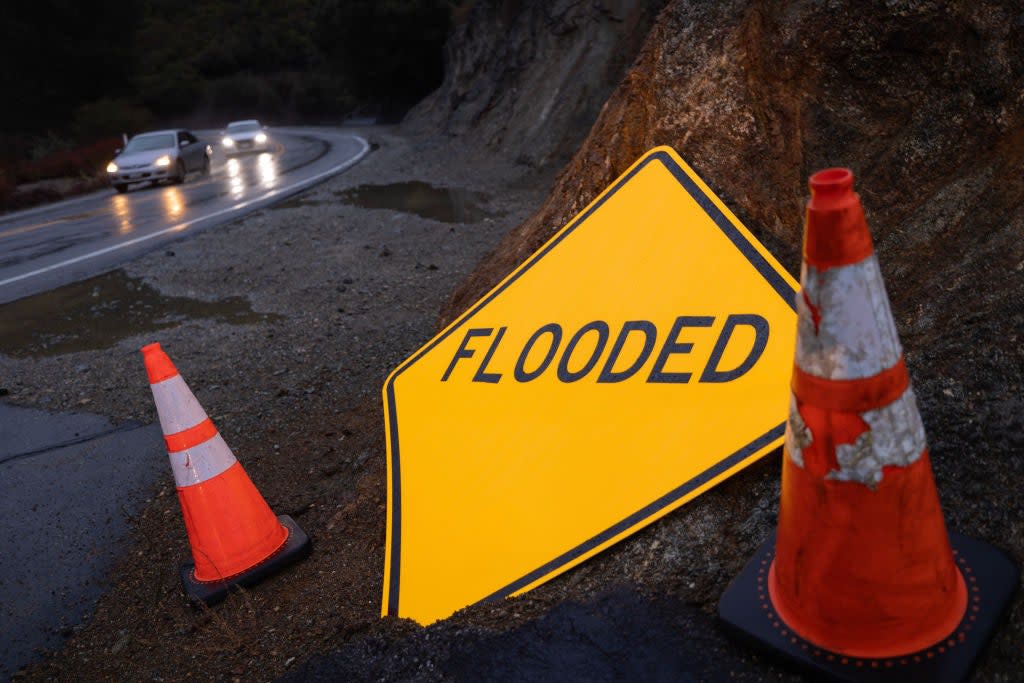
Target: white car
156 156
245 136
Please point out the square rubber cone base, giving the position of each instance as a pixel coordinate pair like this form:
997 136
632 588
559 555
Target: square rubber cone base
211 592
991 578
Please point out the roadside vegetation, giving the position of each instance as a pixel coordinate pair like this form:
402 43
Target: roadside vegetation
84 74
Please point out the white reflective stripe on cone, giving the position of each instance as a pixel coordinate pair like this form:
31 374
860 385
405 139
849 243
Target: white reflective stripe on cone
199 463
895 437
176 407
855 335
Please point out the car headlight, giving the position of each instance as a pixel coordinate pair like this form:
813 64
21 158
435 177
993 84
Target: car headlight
163 161
111 167
227 142
261 138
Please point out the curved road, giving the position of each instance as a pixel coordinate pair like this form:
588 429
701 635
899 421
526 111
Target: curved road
53 245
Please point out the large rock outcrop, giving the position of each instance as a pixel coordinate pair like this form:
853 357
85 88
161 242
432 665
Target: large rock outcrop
528 78
924 100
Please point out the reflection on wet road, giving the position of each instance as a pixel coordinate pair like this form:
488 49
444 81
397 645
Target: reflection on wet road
47 247
262 174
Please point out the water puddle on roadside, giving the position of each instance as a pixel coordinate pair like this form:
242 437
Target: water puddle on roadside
445 204
99 312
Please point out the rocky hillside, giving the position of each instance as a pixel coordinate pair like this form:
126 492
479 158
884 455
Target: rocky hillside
528 78
924 100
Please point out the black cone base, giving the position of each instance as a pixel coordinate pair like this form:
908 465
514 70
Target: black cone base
991 578
211 592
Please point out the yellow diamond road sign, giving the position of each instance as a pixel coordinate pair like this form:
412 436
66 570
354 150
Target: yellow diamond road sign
638 358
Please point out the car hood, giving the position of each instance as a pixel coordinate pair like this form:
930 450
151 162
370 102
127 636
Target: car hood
244 135
143 158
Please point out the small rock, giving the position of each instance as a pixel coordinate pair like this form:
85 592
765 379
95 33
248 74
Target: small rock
120 644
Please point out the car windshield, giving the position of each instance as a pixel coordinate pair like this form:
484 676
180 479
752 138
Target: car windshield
146 143
243 127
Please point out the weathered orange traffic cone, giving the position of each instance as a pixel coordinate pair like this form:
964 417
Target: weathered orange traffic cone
861 580
235 537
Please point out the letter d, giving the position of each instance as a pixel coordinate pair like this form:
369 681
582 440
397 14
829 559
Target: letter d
712 374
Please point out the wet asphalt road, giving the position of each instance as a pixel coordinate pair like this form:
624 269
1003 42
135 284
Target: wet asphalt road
51 246
68 485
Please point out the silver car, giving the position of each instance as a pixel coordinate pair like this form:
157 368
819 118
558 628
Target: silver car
245 136
156 156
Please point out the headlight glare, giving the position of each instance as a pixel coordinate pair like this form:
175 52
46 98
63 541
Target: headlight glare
227 142
261 138
163 161
111 167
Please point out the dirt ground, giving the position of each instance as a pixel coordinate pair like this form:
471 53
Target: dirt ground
352 292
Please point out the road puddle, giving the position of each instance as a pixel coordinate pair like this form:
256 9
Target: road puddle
99 312
445 204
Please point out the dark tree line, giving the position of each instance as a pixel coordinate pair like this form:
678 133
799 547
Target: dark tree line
78 70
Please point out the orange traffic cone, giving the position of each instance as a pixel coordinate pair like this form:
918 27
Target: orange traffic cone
235 537
861 580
